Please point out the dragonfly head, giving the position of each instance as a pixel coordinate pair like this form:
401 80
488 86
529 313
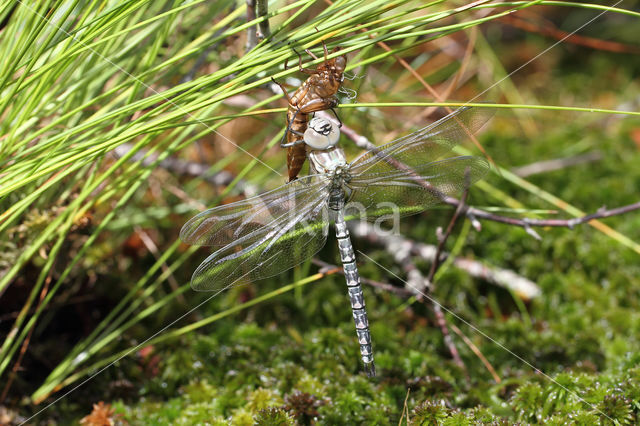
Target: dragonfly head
321 134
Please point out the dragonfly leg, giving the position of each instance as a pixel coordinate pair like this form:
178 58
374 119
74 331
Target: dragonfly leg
324 46
284 90
337 117
326 52
290 144
310 53
289 129
318 104
300 68
314 105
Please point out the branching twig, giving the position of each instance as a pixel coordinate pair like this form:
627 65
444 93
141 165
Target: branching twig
443 239
526 223
557 164
400 247
440 319
255 34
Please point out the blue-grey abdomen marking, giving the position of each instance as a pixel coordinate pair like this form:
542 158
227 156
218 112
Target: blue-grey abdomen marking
356 297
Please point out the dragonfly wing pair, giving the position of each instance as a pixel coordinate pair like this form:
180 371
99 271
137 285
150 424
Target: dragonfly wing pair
261 236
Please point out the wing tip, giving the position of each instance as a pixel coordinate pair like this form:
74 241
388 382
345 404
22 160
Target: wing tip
184 235
187 231
200 283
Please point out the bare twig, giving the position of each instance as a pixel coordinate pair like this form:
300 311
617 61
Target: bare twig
188 168
436 261
557 164
263 9
440 319
527 223
252 31
448 341
475 213
405 408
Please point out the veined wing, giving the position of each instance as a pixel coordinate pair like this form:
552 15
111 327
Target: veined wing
425 145
264 235
381 192
402 176
243 220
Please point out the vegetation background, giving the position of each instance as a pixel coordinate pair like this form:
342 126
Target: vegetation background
120 119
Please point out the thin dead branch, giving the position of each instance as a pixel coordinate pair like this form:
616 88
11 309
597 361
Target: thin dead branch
474 213
252 31
263 9
546 28
437 310
556 164
186 168
476 351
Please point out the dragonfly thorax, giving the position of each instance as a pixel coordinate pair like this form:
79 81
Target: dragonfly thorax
326 158
322 137
327 161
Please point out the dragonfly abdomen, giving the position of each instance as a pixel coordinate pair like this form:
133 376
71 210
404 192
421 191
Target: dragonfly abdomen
356 297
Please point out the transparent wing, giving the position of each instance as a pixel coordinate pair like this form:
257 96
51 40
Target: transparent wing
425 145
261 236
401 177
246 219
380 192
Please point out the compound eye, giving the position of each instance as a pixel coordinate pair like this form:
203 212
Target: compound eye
341 63
321 134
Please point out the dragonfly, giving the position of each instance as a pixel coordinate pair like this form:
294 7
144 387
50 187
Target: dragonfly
265 235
